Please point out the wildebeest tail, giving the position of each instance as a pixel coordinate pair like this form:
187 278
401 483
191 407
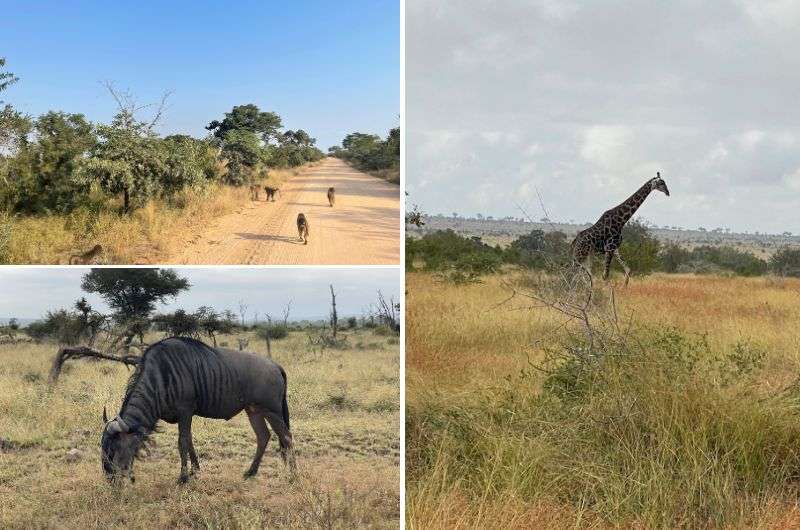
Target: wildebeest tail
285 403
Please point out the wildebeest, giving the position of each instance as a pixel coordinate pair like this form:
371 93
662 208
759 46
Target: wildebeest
178 378
331 196
271 192
302 228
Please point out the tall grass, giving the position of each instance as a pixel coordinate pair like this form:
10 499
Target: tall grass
348 457
663 426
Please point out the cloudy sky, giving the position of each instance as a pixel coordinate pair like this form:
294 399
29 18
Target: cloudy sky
30 292
584 101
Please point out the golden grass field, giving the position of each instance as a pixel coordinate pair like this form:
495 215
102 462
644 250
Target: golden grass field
663 437
344 407
145 236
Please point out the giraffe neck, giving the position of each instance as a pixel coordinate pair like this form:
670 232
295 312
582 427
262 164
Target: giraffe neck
632 203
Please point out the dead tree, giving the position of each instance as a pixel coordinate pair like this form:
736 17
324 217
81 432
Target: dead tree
243 311
83 352
389 312
334 316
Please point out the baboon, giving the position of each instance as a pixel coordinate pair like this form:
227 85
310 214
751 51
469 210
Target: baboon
255 192
331 196
271 192
302 228
87 257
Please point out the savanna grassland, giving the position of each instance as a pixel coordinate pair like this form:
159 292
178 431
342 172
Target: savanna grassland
683 413
344 406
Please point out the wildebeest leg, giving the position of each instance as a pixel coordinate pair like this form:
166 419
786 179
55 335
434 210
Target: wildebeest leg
262 439
284 438
184 442
192 453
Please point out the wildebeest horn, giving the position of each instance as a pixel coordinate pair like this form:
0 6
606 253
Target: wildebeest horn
117 425
105 415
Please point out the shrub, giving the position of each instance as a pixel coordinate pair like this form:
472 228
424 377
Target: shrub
786 262
273 331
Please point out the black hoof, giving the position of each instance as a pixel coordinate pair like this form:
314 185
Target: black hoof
183 479
249 474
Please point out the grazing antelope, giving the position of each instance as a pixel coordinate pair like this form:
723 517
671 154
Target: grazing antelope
302 228
179 378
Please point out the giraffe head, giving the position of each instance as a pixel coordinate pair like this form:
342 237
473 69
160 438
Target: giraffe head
659 184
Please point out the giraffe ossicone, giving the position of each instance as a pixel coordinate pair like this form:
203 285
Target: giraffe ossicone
605 236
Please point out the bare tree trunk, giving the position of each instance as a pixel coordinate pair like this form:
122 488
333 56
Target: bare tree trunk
334 316
82 351
267 337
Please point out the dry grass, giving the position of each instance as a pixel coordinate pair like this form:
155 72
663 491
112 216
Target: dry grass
344 410
390 174
487 447
146 236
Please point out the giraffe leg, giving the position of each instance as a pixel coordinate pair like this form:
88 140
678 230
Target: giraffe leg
607 265
624 266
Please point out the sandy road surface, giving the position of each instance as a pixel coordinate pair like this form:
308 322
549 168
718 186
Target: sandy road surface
363 228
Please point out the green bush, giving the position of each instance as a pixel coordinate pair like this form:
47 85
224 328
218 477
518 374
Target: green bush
273 331
786 262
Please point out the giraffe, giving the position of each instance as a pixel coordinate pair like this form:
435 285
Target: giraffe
606 234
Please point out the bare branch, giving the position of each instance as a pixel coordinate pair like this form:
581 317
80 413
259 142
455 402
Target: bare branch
79 352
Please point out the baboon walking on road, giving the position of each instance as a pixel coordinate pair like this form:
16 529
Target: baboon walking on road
255 192
331 196
86 257
271 192
302 228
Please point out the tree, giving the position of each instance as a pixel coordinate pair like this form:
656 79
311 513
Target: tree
190 163
243 311
48 182
133 294
6 78
247 118
129 159
334 315
786 262
243 154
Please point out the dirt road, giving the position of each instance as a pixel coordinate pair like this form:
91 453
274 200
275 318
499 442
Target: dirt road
363 228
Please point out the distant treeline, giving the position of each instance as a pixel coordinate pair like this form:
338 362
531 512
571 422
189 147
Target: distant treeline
464 258
60 161
369 152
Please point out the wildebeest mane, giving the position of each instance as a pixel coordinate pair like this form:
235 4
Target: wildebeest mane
133 380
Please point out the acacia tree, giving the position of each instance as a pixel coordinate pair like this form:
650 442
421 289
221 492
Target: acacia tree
127 160
133 294
6 78
247 118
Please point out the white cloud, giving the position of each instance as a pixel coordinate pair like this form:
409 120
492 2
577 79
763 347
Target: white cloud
588 102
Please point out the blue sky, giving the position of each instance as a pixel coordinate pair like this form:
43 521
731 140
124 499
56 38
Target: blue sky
31 292
324 67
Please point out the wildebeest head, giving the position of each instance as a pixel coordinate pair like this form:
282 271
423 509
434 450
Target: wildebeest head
119 445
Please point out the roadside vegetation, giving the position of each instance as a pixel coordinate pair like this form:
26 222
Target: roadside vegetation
67 183
371 153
